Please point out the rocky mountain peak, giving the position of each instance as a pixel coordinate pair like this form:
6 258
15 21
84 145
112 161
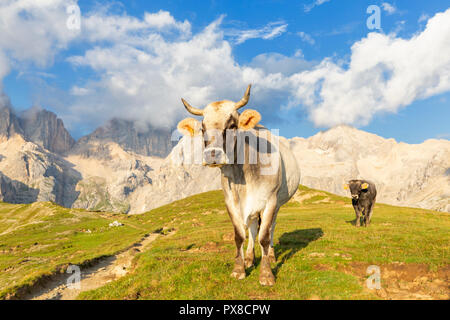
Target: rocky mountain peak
151 142
9 123
46 129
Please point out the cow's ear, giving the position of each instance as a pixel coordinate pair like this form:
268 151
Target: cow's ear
346 187
365 186
249 119
189 127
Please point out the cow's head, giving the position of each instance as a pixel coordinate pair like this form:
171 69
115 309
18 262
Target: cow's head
356 187
218 118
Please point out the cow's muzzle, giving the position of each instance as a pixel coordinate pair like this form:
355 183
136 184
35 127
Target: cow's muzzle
214 157
355 196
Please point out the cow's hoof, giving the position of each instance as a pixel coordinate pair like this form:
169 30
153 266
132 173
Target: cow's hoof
238 275
239 269
267 280
266 277
249 262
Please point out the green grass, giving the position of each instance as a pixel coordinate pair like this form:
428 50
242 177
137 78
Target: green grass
41 239
315 241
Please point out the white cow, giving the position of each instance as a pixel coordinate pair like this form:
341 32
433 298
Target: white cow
259 175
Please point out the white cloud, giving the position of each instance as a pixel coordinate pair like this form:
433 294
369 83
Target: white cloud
306 37
270 31
33 31
100 25
389 8
316 3
144 65
385 73
144 78
144 72
4 68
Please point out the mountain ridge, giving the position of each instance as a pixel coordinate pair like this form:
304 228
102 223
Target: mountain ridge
152 142
98 173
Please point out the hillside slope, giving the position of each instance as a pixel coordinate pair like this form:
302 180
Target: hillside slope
320 253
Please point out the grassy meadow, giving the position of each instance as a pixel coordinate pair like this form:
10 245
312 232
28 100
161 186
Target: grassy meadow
320 253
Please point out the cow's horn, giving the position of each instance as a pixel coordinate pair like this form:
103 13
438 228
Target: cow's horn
194 111
245 99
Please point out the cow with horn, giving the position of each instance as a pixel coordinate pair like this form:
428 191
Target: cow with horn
259 174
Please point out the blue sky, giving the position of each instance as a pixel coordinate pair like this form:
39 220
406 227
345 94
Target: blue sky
298 35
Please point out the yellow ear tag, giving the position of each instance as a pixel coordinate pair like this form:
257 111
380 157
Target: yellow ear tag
365 186
346 186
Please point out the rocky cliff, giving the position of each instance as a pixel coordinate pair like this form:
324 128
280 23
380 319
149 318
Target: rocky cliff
9 123
30 173
148 142
44 128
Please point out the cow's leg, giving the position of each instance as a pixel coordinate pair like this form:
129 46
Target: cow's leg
358 216
369 215
266 277
272 257
252 233
366 215
239 237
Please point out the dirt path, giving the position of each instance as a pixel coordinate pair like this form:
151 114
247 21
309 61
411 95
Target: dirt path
93 277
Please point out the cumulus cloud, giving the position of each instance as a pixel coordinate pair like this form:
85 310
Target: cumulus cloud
143 80
33 31
384 74
143 77
100 25
142 66
144 71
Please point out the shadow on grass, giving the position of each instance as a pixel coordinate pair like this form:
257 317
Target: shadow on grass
291 242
